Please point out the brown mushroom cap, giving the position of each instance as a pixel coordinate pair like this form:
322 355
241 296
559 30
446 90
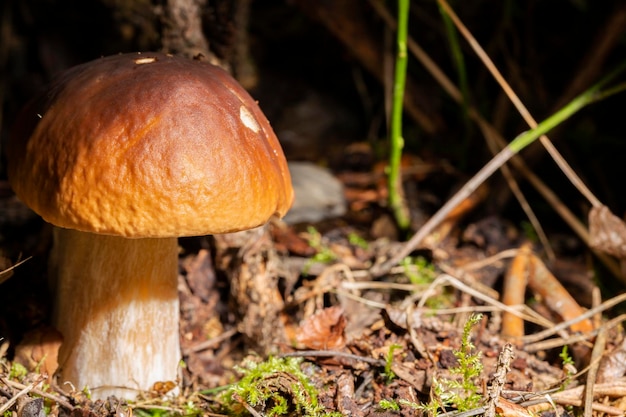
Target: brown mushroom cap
148 145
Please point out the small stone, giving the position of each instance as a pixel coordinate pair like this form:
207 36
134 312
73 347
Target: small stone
318 194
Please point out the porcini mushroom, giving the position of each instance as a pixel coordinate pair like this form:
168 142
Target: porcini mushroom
123 155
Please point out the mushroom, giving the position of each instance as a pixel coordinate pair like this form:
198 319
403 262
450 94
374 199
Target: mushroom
123 155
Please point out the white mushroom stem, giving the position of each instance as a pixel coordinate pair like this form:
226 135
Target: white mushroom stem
117 308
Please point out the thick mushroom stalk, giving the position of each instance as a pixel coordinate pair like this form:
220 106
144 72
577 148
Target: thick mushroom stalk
117 308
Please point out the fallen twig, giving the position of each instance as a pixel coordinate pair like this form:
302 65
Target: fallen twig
25 389
573 396
499 379
596 355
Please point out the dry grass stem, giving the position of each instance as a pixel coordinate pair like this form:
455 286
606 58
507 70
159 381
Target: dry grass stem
211 343
24 390
6 273
572 339
492 143
573 396
563 325
482 263
528 315
596 355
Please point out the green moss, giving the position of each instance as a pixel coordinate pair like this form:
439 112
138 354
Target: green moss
357 240
18 371
388 373
323 254
418 270
275 387
388 405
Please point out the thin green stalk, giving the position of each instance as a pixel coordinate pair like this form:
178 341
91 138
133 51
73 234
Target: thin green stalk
461 70
591 95
397 201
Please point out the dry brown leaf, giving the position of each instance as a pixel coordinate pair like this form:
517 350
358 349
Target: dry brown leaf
507 408
287 240
607 232
39 350
323 330
200 275
613 364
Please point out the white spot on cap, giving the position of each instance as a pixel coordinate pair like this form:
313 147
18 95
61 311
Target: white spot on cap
248 119
140 61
